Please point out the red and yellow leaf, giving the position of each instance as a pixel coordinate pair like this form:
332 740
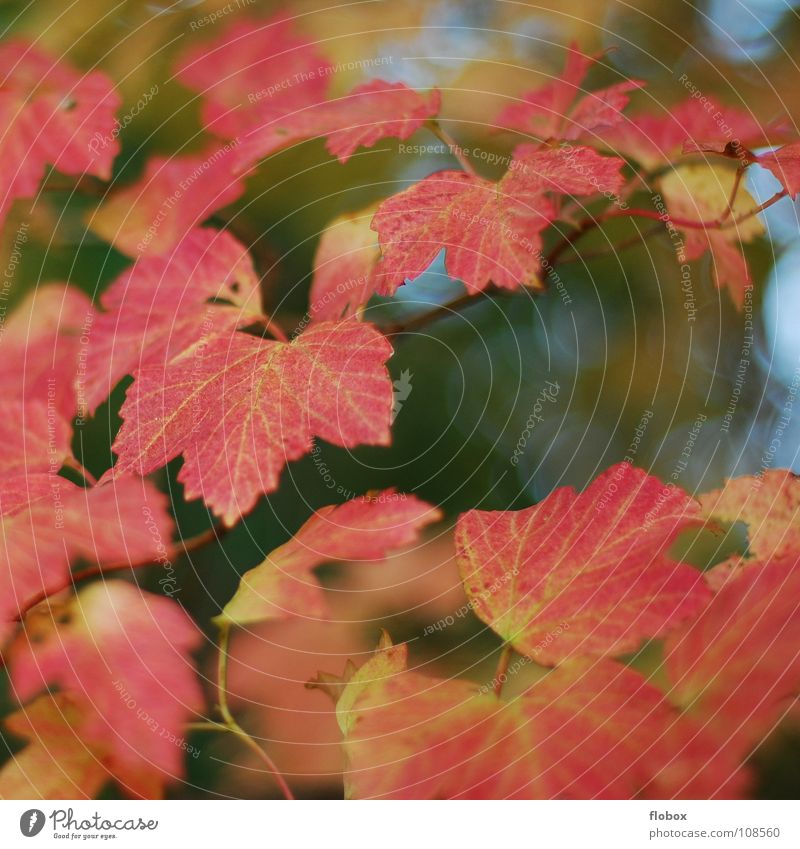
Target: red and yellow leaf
491 231
53 115
736 667
365 528
160 307
583 574
345 275
562 109
238 408
122 655
127 521
56 763
589 729
169 200
702 193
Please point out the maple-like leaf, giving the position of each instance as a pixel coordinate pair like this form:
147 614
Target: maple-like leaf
702 193
35 438
254 69
152 215
784 163
123 655
584 573
736 666
589 729
238 408
365 528
345 275
369 113
160 307
490 230
51 115
125 521
653 139
768 504
56 763
562 109
43 347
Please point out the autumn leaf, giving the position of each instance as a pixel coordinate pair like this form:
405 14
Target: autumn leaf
152 215
51 115
238 408
736 667
768 504
345 275
56 763
491 231
656 139
784 163
365 528
701 193
369 113
583 574
589 729
35 438
160 307
252 70
126 521
562 109
123 656
43 349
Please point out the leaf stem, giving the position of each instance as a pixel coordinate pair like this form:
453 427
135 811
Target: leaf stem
502 668
230 723
76 466
455 148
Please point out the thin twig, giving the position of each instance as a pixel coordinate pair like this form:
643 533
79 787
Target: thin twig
177 550
230 723
455 148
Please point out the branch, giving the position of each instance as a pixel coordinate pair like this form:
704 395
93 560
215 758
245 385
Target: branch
173 553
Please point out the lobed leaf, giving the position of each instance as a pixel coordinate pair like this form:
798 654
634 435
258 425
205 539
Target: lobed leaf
583 574
365 528
238 408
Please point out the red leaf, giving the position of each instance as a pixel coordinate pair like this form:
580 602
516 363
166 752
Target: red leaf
491 231
563 110
56 763
369 113
653 140
585 730
254 70
175 194
53 115
585 573
34 436
127 521
238 408
768 503
735 667
366 528
123 656
159 307
345 275
44 345
784 163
